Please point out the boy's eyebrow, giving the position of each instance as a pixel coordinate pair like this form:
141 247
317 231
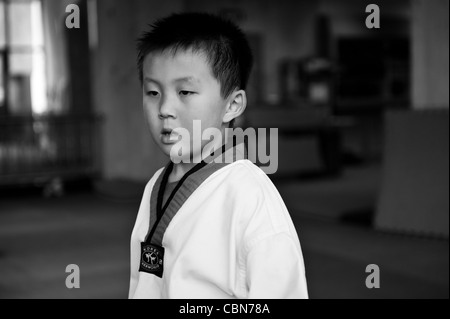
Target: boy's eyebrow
187 79
183 79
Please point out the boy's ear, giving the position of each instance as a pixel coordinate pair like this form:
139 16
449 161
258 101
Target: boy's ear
237 102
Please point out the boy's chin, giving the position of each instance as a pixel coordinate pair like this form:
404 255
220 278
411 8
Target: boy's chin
165 148
189 158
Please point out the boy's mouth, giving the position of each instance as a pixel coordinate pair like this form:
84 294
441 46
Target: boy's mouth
169 136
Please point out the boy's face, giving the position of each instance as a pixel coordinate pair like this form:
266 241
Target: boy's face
178 89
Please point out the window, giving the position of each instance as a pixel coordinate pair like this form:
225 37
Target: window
22 58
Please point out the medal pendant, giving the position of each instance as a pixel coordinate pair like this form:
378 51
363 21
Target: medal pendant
152 259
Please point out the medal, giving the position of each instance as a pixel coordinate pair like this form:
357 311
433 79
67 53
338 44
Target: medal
152 259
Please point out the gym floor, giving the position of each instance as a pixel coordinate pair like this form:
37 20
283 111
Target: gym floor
40 236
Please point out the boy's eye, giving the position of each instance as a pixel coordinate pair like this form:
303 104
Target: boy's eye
186 93
152 93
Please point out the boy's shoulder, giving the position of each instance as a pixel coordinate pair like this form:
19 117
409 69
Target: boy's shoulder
245 177
244 171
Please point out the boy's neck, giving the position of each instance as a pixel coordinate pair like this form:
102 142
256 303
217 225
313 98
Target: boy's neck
179 170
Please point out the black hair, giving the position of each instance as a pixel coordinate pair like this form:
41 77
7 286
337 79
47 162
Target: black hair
224 44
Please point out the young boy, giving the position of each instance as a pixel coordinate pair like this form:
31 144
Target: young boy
206 229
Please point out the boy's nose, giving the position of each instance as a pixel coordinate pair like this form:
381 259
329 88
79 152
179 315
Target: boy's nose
166 109
164 116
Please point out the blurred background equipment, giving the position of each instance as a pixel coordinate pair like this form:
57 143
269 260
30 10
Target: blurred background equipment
414 196
37 149
49 131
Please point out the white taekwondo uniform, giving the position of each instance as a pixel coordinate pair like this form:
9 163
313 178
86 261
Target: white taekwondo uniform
230 236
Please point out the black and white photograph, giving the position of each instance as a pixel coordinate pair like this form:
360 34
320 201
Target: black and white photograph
242 151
